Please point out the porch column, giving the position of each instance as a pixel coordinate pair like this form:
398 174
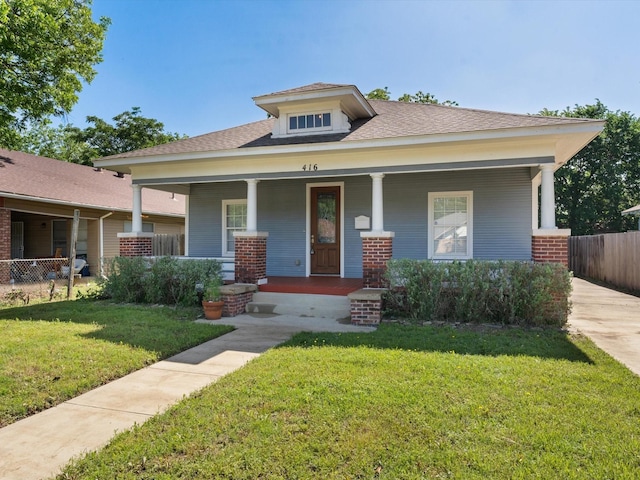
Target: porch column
136 213
251 245
377 210
549 244
548 201
5 243
377 245
136 243
252 205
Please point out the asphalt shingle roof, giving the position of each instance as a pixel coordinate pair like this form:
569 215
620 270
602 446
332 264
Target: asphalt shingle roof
393 120
49 179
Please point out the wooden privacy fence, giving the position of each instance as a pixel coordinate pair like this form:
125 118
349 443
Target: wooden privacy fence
167 244
613 258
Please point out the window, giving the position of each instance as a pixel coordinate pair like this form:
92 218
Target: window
317 121
147 227
234 219
450 225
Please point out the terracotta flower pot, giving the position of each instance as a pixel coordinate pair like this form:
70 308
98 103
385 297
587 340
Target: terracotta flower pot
212 310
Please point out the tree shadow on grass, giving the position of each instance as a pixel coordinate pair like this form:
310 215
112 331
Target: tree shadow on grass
464 340
163 330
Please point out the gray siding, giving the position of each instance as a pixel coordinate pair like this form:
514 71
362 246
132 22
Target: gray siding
501 211
501 208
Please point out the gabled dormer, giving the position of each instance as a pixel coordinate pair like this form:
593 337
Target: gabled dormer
315 109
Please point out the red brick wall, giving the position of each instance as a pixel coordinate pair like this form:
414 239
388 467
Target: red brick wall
550 249
136 246
5 243
366 312
376 252
250 259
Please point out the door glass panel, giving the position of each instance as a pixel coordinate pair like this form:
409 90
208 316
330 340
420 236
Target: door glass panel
326 227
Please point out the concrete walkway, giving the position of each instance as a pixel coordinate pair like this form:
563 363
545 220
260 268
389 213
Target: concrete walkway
610 318
38 446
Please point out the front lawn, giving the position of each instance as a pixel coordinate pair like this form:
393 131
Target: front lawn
52 352
400 403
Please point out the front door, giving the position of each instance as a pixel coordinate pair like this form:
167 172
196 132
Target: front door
325 230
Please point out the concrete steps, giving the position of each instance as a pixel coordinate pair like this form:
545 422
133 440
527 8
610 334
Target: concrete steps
300 304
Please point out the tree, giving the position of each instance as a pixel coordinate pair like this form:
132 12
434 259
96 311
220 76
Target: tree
379 94
603 178
419 97
131 131
47 49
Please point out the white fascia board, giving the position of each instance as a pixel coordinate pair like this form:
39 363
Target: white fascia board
83 205
270 103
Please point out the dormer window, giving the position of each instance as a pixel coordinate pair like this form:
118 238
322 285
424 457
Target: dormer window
318 109
317 121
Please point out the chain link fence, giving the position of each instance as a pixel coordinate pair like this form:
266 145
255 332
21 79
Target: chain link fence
22 279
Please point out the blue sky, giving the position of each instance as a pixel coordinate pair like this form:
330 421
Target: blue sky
196 64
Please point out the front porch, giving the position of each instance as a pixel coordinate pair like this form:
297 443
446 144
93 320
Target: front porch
321 285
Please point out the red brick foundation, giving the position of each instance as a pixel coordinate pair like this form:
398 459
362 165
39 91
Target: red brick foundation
5 244
251 257
136 245
550 249
376 252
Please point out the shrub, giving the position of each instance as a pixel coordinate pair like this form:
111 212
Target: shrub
165 280
509 293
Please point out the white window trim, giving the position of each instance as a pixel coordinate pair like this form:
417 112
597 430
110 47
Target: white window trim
307 130
430 234
225 203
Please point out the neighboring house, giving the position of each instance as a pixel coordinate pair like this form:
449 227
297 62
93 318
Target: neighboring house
335 184
38 196
633 211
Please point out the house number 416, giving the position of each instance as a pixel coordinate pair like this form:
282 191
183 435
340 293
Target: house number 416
310 167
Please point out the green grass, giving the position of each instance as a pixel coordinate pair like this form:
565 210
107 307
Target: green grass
52 352
400 403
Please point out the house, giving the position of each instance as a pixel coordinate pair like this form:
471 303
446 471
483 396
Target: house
334 184
633 211
38 196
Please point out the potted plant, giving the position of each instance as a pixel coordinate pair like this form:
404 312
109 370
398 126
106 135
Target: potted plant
212 299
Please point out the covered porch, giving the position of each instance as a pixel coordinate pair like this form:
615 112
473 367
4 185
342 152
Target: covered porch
322 285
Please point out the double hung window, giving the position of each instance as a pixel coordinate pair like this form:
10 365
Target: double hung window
234 218
450 225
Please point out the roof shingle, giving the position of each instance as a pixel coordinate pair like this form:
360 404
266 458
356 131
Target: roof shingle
49 179
393 120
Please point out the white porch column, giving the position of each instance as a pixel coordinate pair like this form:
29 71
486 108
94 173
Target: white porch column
377 210
548 202
252 205
136 213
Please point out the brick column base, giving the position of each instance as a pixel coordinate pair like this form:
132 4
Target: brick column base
5 244
550 246
136 244
236 297
366 306
377 249
251 257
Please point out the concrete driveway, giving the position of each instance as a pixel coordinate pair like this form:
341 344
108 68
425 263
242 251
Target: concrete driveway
610 318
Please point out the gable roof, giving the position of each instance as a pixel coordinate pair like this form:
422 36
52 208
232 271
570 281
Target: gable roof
46 179
394 120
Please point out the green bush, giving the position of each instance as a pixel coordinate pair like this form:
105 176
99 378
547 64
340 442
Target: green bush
509 293
165 280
